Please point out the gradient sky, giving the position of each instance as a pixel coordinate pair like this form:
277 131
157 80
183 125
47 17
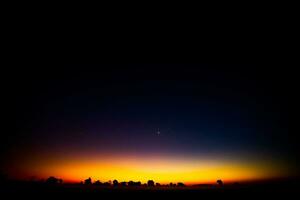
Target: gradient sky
215 122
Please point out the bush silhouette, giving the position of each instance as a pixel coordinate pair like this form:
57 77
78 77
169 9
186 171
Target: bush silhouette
172 184
115 183
130 183
180 184
123 184
52 180
88 181
107 184
220 182
138 183
98 183
236 183
150 183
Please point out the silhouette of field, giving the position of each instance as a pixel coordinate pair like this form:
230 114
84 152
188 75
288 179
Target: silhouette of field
34 190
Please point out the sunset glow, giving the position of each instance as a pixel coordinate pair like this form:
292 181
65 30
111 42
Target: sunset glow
178 124
162 170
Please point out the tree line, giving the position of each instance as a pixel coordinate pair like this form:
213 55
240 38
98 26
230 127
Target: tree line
150 183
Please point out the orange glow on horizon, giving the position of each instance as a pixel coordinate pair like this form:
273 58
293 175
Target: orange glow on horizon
162 170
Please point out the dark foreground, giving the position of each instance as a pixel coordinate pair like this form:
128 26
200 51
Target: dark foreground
64 191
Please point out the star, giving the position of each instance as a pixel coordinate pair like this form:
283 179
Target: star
158 132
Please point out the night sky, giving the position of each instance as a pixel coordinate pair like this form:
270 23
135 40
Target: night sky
166 122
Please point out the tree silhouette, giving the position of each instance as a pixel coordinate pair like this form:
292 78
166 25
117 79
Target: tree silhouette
98 183
88 181
138 183
180 184
115 183
107 184
220 182
150 183
124 184
172 184
52 180
236 183
130 183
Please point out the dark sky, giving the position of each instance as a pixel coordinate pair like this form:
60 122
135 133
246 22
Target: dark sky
198 108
